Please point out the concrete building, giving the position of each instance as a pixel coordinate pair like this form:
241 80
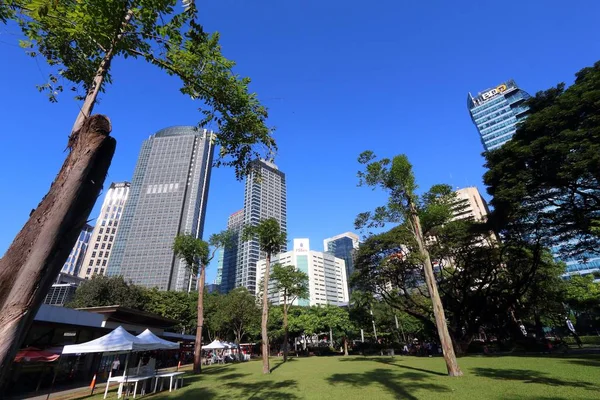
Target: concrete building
62 290
168 196
472 205
327 280
76 257
496 113
265 197
343 246
107 225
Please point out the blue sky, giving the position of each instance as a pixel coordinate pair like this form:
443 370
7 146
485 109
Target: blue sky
339 77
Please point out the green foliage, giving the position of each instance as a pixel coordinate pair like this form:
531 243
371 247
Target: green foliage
241 314
289 281
545 182
108 291
582 293
180 306
268 233
80 40
193 251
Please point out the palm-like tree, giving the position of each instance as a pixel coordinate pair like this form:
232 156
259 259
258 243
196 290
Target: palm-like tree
270 239
196 255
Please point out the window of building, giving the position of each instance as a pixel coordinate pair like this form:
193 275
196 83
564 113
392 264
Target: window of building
109 246
114 230
104 263
101 230
100 254
103 245
98 238
93 254
91 263
89 271
96 246
111 239
105 238
98 262
95 270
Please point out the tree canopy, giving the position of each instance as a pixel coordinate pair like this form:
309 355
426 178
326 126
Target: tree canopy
545 182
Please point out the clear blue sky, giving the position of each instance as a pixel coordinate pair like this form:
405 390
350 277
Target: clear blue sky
339 77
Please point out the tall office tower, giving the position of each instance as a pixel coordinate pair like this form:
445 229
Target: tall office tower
168 196
265 197
107 225
473 206
496 112
343 246
219 276
75 260
327 280
235 223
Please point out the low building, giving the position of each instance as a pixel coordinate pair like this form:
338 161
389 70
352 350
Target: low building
327 280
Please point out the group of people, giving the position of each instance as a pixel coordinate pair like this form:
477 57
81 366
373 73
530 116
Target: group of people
425 349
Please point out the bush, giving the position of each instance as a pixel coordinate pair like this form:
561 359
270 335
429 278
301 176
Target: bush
595 340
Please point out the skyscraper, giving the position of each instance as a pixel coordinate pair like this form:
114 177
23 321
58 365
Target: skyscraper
75 259
167 197
473 206
496 112
107 225
228 266
265 197
343 246
327 280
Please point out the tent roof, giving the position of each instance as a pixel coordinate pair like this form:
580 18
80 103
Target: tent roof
214 345
117 340
148 337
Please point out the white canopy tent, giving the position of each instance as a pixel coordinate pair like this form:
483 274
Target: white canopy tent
150 338
118 340
215 345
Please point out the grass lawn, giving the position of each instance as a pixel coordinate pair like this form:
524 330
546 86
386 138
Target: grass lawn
348 378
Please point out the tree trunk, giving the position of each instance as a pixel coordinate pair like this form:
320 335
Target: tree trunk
39 251
285 327
438 309
92 94
265 317
198 343
345 345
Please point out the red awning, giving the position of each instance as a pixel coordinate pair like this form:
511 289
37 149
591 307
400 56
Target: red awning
31 354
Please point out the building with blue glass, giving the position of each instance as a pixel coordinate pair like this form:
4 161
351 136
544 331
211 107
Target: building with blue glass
343 246
496 113
75 259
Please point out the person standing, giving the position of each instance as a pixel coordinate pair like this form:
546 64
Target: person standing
116 364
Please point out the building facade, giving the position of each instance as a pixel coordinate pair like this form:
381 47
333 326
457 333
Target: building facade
265 197
343 246
496 113
62 290
107 226
473 206
327 280
77 255
168 197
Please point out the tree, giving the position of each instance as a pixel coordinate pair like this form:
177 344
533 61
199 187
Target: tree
270 239
240 313
396 177
337 319
108 291
195 254
80 41
545 182
292 284
180 306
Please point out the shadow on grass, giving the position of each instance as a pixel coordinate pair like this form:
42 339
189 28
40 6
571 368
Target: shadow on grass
530 376
256 390
402 386
195 393
585 363
394 362
267 390
290 359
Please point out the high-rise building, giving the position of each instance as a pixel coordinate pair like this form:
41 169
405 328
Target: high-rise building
496 113
75 259
265 197
327 280
63 290
107 225
472 205
343 246
168 197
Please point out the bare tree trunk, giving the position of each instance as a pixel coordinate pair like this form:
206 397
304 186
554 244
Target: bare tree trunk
438 309
285 327
39 251
265 318
92 94
345 345
198 343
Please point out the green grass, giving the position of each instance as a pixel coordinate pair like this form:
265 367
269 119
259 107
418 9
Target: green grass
349 378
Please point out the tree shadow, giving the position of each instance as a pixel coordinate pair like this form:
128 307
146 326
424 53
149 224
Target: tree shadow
233 375
585 363
530 376
268 390
195 393
394 361
281 363
400 385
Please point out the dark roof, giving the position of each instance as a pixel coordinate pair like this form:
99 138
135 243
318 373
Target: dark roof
130 316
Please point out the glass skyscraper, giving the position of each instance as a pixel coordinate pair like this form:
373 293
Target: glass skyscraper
265 197
167 197
496 113
343 246
75 259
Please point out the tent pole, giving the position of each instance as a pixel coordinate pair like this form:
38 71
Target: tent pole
54 377
126 374
96 374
